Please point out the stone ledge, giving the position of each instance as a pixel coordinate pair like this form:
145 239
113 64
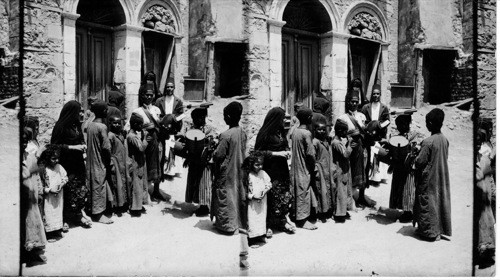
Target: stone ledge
43 7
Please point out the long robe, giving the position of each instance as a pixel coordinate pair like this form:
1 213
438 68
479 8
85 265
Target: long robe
485 246
257 209
358 155
98 152
118 177
342 199
403 182
54 178
323 178
199 178
302 166
229 194
280 195
32 231
138 188
432 208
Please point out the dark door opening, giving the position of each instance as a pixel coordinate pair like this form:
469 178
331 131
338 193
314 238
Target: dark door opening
364 60
157 56
93 63
300 69
437 73
230 68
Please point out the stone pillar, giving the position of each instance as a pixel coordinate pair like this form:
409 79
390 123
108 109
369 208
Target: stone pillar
339 70
385 73
69 55
179 71
128 63
275 63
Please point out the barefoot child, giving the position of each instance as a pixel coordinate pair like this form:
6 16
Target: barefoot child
259 183
342 182
432 194
98 158
303 160
136 148
53 178
323 179
118 173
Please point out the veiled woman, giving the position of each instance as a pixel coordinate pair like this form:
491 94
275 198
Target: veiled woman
271 140
68 134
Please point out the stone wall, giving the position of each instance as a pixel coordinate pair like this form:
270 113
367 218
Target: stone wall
43 63
486 63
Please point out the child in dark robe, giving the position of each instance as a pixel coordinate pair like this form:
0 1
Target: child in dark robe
229 194
98 159
199 178
118 167
342 199
322 170
432 210
136 148
303 162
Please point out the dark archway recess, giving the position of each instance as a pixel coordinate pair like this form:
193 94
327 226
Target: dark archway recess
305 20
94 47
104 12
307 15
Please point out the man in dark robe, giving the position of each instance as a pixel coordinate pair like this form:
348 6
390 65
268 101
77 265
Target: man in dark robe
98 161
432 209
229 194
323 171
303 160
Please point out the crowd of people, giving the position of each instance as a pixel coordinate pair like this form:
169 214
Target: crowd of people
299 172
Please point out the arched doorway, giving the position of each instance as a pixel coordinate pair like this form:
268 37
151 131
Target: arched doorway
94 47
305 21
158 41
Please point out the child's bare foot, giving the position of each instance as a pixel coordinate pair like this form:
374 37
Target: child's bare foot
101 218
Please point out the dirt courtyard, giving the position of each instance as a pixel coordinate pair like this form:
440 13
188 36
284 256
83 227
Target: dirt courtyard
169 241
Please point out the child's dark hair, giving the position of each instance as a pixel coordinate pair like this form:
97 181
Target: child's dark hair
251 159
48 153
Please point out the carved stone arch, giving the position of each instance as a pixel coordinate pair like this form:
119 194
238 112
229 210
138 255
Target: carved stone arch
365 7
70 6
167 5
277 8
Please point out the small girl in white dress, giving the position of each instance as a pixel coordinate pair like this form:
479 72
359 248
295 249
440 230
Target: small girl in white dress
259 183
53 179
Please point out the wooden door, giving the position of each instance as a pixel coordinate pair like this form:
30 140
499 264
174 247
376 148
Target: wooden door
300 70
93 63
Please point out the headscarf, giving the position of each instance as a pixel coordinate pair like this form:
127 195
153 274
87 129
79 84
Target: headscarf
273 122
376 87
436 117
321 105
199 112
115 98
70 114
403 118
234 110
31 122
340 124
98 108
303 115
136 118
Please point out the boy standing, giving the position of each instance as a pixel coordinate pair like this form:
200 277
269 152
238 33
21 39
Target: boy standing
432 208
303 160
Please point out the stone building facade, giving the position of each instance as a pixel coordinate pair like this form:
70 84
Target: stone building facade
205 41
435 50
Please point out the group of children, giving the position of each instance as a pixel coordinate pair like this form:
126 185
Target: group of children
234 187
